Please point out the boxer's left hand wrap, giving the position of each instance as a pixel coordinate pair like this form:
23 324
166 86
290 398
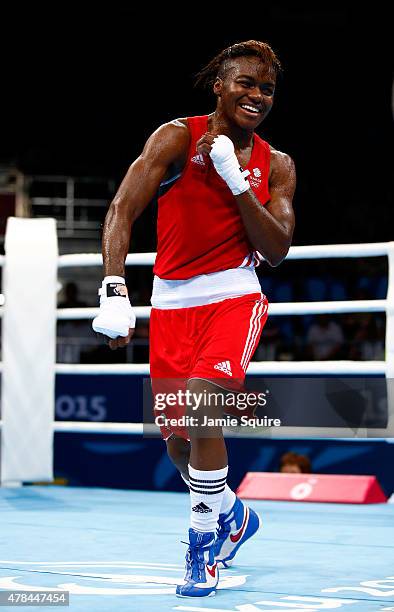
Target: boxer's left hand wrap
227 165
116 316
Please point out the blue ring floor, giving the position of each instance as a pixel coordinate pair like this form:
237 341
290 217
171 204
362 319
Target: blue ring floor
118 550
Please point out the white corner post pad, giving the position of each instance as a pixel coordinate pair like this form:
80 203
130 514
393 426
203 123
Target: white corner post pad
29 351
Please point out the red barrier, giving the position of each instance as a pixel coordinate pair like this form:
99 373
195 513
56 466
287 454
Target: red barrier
333 488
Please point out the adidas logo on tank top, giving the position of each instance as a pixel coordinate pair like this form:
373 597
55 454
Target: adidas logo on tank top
198 159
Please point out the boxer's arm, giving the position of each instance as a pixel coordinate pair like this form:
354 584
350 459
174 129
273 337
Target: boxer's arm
270 227
167 146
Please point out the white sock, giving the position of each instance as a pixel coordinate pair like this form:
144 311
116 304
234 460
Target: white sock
228 500
206 494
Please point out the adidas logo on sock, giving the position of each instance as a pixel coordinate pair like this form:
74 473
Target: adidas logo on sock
224 366
201 507
198 159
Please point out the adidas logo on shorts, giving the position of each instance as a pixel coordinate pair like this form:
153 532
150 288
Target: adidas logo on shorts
201 507
224 366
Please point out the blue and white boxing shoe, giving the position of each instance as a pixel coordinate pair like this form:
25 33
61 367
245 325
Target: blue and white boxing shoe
234 529
202 574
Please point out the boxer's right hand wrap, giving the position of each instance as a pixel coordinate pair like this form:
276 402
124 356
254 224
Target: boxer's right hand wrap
116 316
227 165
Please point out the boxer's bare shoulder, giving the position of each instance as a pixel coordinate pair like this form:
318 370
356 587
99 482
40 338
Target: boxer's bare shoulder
175 137
180 122
280 160
282 169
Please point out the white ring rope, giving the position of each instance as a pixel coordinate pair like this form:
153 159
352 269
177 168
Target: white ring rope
375 249
95 259
324 251
276 308
264 368
255 367
99 427
328 251
147 429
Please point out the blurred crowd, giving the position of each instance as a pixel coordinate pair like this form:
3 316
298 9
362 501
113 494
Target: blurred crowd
323 337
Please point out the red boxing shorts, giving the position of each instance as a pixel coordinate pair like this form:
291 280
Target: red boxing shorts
214 342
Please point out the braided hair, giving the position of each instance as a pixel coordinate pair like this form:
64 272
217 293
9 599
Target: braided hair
218 65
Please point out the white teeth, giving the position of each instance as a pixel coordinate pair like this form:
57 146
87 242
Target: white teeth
250 108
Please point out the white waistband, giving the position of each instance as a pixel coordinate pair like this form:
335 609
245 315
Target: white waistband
204 289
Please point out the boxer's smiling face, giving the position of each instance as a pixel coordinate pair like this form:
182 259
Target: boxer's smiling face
245 91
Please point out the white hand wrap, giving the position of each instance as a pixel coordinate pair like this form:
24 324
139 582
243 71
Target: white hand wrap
227 165
116 315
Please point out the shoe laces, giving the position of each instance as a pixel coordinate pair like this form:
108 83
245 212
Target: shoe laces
195 562
222 530
189 568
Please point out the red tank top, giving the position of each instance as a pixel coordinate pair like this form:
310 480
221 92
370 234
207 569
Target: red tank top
199 228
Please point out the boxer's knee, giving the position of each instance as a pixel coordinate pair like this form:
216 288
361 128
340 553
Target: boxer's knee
178 451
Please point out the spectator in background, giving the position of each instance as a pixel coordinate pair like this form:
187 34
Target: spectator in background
292 463
364 332
268 348
72 334
369 339
71 297
325 339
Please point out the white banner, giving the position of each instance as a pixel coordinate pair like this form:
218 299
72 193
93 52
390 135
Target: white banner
29 350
